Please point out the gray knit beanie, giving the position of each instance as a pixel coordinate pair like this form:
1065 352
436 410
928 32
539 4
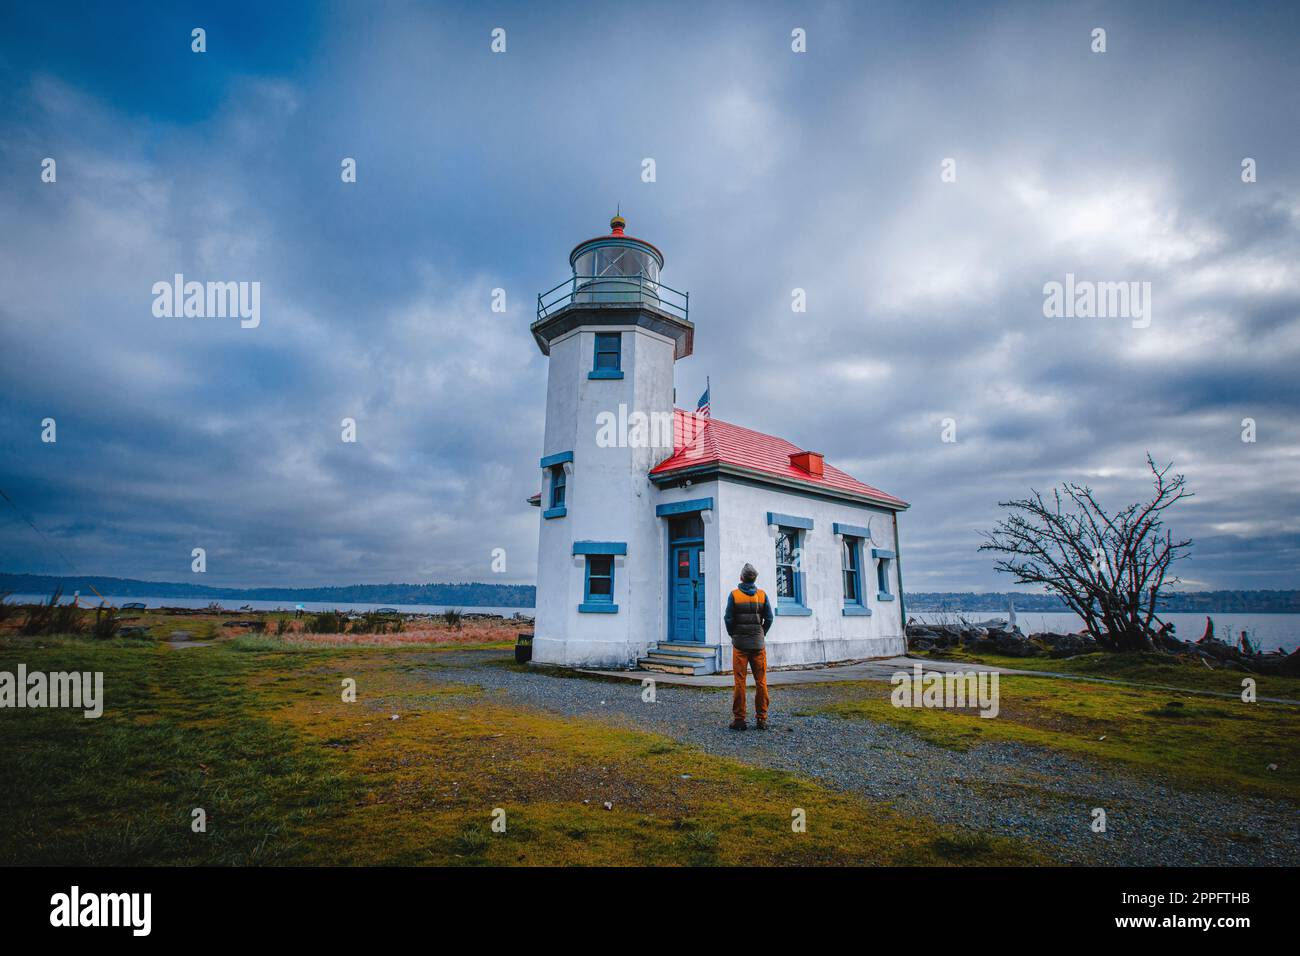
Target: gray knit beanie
749 574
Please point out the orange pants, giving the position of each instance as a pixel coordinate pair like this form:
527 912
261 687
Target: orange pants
757 662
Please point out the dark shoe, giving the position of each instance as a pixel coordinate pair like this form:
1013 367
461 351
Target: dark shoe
760 724
737 725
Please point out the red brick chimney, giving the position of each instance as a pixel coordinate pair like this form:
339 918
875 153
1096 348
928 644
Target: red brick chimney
809 461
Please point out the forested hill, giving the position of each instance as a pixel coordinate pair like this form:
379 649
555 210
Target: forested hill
457 595
1209 602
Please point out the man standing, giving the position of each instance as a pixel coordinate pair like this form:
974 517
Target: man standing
748 619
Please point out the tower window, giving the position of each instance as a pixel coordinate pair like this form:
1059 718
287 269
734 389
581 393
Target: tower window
598 589
555 483
609 356
557 486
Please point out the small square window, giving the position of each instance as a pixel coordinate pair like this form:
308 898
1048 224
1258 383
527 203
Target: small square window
609 351
600 579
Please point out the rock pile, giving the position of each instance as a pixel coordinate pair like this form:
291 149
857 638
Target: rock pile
998 637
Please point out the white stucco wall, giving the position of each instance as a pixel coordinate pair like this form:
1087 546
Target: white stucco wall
827 634
608 498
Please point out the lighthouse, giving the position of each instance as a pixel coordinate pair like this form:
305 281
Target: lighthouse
612 332
647 512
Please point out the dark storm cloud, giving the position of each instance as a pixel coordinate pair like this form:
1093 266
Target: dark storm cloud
775 172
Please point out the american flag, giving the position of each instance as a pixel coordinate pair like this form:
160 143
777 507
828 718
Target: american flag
702 406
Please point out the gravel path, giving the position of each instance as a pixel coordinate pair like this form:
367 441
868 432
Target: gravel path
1010 789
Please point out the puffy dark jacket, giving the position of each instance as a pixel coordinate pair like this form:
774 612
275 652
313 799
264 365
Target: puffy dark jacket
748 617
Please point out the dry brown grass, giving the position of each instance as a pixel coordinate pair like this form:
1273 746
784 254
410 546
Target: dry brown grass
419 632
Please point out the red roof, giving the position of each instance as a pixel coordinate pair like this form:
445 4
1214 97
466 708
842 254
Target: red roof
699 442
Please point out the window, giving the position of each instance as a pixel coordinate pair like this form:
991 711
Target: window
790 529
852 573
556 481
855 603
609 356
557 486
598 595
685 527
788 584
883 560
598 580
625 261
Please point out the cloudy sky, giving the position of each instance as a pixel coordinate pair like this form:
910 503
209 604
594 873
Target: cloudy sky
774 171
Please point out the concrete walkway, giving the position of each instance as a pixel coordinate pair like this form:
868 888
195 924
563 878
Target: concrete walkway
884 668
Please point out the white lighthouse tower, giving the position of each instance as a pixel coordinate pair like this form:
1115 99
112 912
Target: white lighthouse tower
612 332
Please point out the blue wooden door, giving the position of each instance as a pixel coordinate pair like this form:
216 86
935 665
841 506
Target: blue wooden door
687 588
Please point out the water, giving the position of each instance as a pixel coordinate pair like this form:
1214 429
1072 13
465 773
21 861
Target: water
234 604
1268 631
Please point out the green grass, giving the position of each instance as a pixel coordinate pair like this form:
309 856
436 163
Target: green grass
179 732
256 733
1199 741
1141 668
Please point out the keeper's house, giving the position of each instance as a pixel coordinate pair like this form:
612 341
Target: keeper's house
648 512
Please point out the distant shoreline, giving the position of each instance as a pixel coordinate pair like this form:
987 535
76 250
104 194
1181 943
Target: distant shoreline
468 594
479 594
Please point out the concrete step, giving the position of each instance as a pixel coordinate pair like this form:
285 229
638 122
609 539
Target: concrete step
672 666
682 649
662 655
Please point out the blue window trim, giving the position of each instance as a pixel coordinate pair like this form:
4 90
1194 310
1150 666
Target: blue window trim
559 512
684 507
855 607
559 458
884 596
853 531
614 371
789 521
598 603
882 553
791 610
600 547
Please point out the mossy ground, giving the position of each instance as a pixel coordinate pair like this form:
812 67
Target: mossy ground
1142 668
256 733
1196 740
